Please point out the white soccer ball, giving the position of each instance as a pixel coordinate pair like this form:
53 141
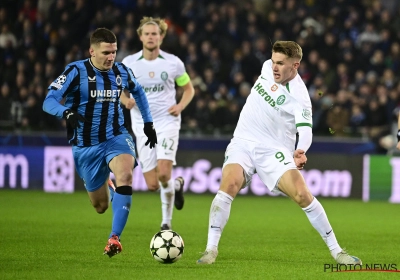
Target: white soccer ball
166 246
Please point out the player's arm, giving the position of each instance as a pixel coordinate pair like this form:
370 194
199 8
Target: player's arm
305 139
138 94
182 79
141 101
187 96
126 99
66 83
303 118
59 89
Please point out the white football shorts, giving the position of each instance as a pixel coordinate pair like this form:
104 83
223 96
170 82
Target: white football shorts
166 148
269 162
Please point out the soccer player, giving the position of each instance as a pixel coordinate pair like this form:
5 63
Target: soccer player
157 72
93 90
263 142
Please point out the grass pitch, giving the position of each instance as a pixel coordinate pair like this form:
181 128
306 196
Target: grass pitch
60 236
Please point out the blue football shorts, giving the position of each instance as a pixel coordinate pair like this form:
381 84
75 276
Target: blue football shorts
91 163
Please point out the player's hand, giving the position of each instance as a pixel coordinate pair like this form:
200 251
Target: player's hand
151 134
73 118
175 110
130 103
300 159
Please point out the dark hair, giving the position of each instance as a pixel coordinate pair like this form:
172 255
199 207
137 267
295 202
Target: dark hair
102 35
289 48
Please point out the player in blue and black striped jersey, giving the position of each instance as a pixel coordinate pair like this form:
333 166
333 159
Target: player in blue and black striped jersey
93 90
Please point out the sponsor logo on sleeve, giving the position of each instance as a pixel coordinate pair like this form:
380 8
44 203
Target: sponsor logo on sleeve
306 114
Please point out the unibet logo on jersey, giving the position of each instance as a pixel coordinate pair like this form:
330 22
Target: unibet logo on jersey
110 95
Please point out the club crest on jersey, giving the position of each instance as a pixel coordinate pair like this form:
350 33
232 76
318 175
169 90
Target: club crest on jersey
118 80
306 114
151 74
274 87
281 99
164 76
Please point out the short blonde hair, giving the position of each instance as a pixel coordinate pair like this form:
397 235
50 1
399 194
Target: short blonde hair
289 48
155 21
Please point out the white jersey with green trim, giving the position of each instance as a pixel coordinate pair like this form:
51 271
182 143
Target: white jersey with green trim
157 77
273 112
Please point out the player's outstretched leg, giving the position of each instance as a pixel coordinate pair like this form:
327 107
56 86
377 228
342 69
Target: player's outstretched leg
219 215
113 246
167 195
319 220
179 199
121 206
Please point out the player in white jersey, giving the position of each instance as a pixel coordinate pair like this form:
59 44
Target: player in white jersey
157 72
277 108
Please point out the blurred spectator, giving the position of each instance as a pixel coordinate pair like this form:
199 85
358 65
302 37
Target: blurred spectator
7 38
357 120
337 120
5 105
369 35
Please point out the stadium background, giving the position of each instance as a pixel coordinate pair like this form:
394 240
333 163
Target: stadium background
350 65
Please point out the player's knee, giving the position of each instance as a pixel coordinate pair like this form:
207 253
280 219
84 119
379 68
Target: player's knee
153 186
125 178
101 207
303 198
164 177
230 186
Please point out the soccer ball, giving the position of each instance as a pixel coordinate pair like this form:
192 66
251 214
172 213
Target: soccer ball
166 246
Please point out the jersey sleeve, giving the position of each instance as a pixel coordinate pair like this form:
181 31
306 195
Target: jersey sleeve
303 110
303 119
303 116
58 89
181 77
140 96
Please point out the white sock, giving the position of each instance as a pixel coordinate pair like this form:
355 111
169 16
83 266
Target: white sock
167 196
317 216
219 215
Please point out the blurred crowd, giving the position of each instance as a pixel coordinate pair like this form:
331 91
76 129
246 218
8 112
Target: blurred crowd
351 60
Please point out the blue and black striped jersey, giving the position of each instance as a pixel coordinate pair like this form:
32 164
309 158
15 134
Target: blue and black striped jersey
94 94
